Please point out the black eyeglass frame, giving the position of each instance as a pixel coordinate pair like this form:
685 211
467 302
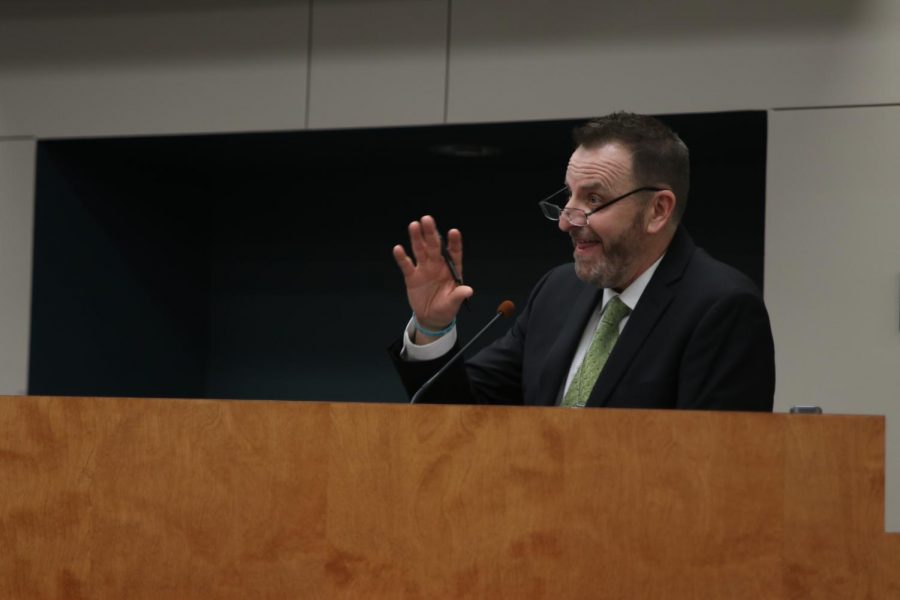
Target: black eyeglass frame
548 208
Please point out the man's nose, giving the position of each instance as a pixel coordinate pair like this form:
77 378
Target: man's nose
564 223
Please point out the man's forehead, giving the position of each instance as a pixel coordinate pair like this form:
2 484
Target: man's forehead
598 167
587 186
611 151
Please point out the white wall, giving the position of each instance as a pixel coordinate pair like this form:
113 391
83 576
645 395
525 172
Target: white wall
378 63
99 67
105 69
532 59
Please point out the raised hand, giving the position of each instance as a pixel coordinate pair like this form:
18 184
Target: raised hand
433 295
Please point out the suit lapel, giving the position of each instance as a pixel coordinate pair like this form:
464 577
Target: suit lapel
651 306
559 356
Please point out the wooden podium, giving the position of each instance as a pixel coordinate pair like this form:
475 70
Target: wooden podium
128 498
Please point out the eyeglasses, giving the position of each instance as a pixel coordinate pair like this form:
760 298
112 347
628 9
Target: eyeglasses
577 217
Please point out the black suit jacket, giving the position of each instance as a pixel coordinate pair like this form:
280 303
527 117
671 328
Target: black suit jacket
699 338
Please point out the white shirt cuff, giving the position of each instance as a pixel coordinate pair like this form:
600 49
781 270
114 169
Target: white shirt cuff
436 349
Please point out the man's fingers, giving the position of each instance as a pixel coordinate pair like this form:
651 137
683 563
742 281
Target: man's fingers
425 240
430 234
454 247
417 241
461 293
404 261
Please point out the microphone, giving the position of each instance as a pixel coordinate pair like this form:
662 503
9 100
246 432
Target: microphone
505 310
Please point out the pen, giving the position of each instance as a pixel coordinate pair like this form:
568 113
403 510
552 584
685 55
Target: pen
452 266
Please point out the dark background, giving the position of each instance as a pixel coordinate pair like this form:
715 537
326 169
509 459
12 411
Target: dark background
259 265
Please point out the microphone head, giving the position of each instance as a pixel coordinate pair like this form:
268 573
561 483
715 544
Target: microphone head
506 309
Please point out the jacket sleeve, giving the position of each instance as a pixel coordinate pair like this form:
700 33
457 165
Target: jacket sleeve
492 376
729 361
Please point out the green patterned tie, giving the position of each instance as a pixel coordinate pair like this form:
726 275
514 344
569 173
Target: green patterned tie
604 339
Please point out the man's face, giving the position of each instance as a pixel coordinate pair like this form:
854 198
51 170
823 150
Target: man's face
610 249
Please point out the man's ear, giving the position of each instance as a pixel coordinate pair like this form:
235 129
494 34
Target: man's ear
661 209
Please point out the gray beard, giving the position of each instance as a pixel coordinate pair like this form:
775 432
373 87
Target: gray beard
615 269
611 272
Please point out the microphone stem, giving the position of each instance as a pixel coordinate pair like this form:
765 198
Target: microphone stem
454 359
478 335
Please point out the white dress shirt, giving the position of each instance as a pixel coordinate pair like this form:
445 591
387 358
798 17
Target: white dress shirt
629 298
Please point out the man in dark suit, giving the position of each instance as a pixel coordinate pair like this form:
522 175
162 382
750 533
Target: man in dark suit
642 319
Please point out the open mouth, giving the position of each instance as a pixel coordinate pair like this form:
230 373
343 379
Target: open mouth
585 245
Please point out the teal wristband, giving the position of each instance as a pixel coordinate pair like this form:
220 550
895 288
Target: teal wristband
431 333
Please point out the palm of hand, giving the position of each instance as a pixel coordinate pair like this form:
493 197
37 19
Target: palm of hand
433 295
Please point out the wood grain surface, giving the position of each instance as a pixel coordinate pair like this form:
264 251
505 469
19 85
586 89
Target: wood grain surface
115 498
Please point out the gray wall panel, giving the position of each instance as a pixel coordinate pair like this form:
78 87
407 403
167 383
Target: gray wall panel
16 223
833 266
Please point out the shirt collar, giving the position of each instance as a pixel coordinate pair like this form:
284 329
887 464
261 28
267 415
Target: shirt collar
633 292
